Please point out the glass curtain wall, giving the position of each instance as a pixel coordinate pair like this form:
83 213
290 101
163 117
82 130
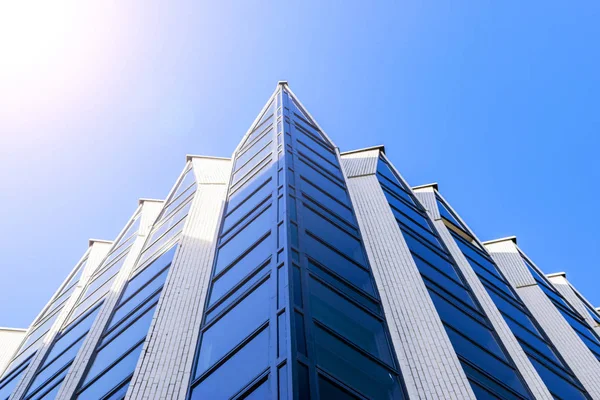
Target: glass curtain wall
292 311
557 376
486 363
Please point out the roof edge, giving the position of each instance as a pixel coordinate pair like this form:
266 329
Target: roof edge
92 241
143 199
504 239
5 328
427 185
379 147
189 157
557 274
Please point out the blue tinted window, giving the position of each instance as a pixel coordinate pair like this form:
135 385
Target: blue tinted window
317 194
114 376
133 303
486 362
239 291
342 241
242 158
329 390
255 159
347 319
246 364
334 261
319 180
248 205
120 344
345 287
245 316
556 384
58 364
8 384
255 257
148 273
353 368
244 239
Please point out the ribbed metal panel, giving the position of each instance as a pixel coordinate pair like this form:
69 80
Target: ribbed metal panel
427 198
428 362
96 254
575 353
527 370
149 213
163 371
508 259
358 164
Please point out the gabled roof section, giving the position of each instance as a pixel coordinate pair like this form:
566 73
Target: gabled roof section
301 111
266 119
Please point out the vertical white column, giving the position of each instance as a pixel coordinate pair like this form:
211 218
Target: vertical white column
10 340
149 212
428 363
514 349
95 254
164 369
575 353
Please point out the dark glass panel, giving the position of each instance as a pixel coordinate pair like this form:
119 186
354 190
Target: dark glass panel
320 196
468 326
444 212
303 382
556 384
115 329
444 281
344 287
348 320
261 392
318 179
53 381
148 273
353 368
232 297
480 379
300 337
113 377
243 240
486 361
238 371
329 390
132 304
338 264
247 206
246 317
120 344
342 241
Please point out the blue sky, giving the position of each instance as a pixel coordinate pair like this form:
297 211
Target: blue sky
100 103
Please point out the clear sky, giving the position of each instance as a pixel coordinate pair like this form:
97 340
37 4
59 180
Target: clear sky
101 101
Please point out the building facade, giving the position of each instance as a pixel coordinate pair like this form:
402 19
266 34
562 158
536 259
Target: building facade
294 271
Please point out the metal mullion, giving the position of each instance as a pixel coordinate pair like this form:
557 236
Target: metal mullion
242 297
109 366
227 356
265 183
334 249
345 296
245 219
240 283
343 280
356 347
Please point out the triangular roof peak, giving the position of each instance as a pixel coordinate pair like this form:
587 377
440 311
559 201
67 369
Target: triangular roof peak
268 115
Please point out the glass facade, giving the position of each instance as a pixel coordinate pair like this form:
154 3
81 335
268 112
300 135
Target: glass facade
291 309
550 366
292 276
488 367
576 321
36 335
112 365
